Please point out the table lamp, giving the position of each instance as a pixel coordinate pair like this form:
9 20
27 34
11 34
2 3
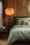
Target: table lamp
9 12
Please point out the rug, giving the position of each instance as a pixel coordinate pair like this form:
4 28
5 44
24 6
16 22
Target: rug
3 41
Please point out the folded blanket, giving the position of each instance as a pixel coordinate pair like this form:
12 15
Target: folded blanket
18 32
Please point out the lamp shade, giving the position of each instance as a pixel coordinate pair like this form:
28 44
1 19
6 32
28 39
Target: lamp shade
9 11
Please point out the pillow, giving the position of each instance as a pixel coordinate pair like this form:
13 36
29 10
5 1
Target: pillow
19 20
28 22
24 22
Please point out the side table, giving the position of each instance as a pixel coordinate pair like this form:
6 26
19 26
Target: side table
3 32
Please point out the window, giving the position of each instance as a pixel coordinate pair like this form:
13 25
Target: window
1 13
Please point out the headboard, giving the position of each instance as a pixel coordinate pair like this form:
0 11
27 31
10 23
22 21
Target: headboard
22 18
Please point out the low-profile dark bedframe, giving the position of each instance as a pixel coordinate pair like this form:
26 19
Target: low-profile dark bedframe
21 41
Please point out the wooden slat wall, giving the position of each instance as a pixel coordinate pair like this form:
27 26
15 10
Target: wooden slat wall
28 11
15 7
6 18
24 8
20 7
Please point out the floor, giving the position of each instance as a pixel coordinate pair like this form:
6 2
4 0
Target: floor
3 41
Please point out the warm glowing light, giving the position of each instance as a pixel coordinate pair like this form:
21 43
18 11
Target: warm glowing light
9 11
29 7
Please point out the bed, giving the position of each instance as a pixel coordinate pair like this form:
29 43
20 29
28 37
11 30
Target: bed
19 32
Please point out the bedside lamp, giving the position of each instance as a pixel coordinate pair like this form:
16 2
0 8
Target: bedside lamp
9 12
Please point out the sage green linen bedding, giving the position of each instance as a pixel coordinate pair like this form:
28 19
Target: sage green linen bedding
19 32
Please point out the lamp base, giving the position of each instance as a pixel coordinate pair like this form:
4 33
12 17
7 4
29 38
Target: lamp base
9 23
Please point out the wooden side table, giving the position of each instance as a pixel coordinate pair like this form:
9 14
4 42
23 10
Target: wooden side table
3 32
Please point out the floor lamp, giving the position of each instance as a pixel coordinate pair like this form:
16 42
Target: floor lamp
9 12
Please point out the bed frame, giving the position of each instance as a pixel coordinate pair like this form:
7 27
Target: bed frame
21 41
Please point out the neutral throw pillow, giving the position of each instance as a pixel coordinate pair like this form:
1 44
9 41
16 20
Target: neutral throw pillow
28 22
24 22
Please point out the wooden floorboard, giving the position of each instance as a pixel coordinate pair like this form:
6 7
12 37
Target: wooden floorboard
3 41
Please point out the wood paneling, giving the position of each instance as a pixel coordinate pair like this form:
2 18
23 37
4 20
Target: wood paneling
6 4
15 7
24 8
6 22
20 7
28 10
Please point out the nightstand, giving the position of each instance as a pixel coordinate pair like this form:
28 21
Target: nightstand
3 32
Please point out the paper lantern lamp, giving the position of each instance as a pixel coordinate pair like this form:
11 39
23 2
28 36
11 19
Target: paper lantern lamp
9 11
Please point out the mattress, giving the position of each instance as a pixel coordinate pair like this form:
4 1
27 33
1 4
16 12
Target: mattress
19 32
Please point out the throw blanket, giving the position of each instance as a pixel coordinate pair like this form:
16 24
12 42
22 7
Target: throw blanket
19 32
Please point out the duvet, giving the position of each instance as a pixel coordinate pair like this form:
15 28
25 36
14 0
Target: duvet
19 32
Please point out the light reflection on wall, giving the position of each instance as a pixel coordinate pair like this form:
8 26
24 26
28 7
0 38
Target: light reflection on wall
29 7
